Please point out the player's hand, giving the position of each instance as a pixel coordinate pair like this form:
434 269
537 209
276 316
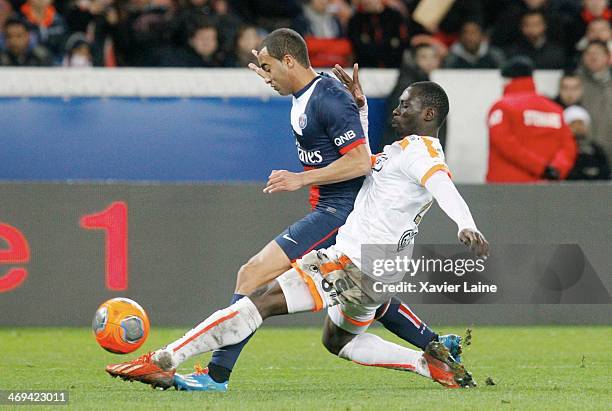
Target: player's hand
352 84
283 180
475 241
260 72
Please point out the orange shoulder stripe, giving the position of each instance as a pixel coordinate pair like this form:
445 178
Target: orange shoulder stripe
431 171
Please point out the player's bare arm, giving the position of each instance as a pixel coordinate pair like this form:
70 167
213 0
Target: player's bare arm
355 163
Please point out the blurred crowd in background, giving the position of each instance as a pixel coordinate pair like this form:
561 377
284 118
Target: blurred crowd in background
416 36
375 33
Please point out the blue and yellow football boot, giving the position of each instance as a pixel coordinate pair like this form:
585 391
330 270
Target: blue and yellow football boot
198 381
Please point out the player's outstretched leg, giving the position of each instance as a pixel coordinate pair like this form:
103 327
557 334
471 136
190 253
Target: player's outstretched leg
265 266
370 350
225 327
444 369
270 301
315 229
146 370
399 318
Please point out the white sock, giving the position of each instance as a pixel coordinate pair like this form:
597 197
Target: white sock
371 350
225 327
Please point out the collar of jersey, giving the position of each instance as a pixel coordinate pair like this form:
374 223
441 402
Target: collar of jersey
306 87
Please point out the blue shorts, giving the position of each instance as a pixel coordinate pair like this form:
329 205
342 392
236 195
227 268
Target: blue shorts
316 230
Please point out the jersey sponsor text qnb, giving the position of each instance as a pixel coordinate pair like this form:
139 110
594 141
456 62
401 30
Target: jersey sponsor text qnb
349 135
309 157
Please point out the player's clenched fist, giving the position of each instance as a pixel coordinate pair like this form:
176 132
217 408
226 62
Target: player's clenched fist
283 180
475 241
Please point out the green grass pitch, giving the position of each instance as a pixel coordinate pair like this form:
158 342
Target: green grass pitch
538 368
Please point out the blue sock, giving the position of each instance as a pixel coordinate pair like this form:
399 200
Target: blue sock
401 321
222 361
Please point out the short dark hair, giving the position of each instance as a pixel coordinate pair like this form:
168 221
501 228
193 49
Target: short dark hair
415 50
286 41
422 46
201 23
599 19
431 94
474 21
599 43
517 66
535 12
15 21
569 74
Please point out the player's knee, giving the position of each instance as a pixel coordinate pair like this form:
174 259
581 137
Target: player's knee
334 337
329 344
269 300
333 342
248 276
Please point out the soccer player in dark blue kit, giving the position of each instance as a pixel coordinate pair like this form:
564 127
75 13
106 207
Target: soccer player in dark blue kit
332 146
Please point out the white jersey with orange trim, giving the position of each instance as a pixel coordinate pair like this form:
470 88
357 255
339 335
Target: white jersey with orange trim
393 199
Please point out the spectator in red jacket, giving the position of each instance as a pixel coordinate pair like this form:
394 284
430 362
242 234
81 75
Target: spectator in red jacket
528 139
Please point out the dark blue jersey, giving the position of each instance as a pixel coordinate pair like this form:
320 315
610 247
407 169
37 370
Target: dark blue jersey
325 123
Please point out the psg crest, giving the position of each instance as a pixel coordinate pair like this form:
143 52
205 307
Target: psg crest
302 121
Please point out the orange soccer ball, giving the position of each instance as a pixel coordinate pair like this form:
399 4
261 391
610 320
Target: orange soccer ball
120 325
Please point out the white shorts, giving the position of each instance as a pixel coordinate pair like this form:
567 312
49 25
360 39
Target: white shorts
328 279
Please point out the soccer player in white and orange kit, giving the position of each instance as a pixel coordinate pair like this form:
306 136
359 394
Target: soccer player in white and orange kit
407 176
